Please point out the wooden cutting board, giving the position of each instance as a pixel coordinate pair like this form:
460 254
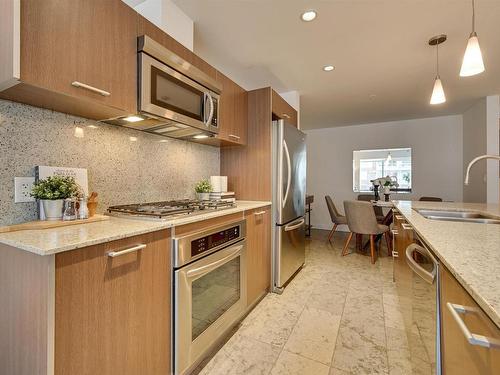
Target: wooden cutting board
43 224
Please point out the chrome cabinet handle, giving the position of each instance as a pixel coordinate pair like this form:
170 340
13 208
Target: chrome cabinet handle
415 267
90 88
294 226
234 136
286 115
113 254
472 338
259 213
395 254
399 217
214 265
406 226
394 232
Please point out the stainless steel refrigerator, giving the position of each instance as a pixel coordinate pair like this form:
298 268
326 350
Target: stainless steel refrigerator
289 194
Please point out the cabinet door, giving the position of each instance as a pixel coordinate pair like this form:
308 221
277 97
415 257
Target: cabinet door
233 111
458 355
87 41
282 110
112 314
144 27
258 253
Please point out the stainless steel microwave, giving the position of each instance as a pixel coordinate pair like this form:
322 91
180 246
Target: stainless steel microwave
175 98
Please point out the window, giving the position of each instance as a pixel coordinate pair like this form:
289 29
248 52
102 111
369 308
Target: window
371 164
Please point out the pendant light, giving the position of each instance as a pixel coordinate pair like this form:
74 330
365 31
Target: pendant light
438 96
472 63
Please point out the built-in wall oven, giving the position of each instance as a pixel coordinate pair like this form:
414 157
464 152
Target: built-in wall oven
209 289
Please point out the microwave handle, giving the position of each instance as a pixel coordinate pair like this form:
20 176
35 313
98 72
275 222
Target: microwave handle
211 113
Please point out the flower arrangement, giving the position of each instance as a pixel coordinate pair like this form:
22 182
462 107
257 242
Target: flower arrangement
55 187
203 186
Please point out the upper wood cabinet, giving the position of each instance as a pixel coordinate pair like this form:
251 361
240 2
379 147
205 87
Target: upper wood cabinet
233 111
144 27
66 43
282 110
258 253
459 356
112 314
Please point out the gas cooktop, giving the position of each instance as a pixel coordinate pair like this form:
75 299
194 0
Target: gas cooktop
167 209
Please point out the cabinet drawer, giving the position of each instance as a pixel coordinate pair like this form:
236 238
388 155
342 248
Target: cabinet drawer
462 354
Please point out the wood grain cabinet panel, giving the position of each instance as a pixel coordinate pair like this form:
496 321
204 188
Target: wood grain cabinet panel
258 253
144 27
233 111
112 314
88 41
459 357
282 110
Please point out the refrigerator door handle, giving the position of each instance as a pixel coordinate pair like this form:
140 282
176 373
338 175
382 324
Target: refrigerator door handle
294 225
289 166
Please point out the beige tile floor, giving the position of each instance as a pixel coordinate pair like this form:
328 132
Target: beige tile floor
338 316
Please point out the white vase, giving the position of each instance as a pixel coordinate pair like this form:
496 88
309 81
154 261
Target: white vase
53 209
203 196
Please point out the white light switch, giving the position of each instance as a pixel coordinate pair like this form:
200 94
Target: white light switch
22 189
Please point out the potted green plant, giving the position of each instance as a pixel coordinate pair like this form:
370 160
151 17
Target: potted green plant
52 191
203 189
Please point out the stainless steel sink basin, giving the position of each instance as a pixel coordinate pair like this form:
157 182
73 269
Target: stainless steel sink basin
460 216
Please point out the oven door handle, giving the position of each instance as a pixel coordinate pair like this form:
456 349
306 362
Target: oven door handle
209 267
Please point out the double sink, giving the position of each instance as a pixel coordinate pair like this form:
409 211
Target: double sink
460 216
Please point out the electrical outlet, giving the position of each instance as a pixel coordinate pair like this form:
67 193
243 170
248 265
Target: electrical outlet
22 189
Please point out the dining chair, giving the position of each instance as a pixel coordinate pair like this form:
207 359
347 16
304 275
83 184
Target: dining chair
430 199
361 220
337 218
379 214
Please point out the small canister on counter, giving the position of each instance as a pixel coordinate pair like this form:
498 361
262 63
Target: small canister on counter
70 211
83 212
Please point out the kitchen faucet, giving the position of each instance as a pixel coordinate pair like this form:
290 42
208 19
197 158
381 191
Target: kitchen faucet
466 182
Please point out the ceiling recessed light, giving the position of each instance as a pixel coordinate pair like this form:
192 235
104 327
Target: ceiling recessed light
133 118
308 15
328 68
132 139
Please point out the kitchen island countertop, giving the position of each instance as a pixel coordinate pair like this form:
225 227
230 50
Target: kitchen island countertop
56 240
470 251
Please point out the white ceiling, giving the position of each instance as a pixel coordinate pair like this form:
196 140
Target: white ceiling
384 68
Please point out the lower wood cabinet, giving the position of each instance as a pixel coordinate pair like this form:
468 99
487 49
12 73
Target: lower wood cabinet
459 356
258 253
112 314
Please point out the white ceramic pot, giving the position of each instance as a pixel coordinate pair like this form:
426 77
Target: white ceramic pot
53 209
203 196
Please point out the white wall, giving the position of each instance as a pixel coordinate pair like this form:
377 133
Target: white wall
168 17
436 159
492 148
480 136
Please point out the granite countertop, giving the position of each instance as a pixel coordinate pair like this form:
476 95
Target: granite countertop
470 251
52 241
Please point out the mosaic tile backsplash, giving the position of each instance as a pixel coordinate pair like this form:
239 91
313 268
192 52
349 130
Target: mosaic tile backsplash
124 165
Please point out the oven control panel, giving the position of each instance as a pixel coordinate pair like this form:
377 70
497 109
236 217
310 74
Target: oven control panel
202 244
